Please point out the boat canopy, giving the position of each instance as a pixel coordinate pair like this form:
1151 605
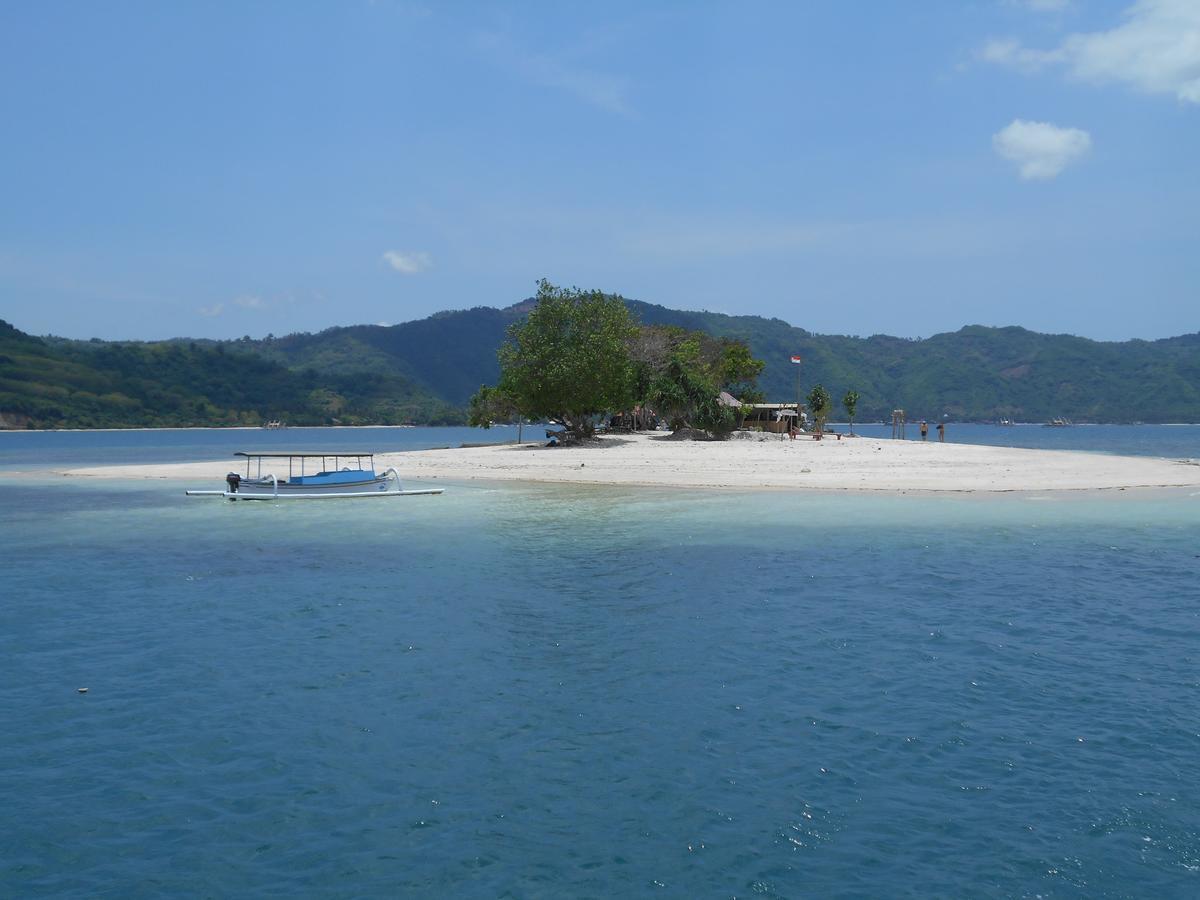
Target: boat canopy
315 454
300 456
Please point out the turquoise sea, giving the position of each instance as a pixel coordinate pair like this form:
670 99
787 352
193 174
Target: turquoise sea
554 691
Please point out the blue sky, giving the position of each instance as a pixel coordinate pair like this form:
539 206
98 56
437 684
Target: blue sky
219 169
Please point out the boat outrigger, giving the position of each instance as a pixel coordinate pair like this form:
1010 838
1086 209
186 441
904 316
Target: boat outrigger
347 477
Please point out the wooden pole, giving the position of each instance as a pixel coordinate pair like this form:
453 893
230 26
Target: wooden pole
796 424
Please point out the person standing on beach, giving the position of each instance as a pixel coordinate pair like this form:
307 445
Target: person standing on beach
941 432
924 429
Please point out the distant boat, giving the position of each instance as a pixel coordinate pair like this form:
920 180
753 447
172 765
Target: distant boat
325 483
1057 423
1005 422
274 424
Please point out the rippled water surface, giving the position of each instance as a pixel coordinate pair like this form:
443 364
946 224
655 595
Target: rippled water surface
34 450
556 691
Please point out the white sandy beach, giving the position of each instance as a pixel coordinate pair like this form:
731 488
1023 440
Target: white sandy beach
853 464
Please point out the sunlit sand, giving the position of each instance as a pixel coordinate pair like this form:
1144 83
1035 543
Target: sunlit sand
855 464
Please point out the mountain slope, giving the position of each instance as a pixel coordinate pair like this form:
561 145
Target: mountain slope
450 354
976 373
94 384
426 370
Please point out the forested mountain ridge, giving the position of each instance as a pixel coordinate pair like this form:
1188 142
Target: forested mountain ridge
977 373
100 384
450 353
426 370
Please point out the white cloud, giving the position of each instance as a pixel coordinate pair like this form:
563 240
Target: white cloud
1009 52
215 310
1040 149
408 263
1046 5
248 301
1156 50
597 88
604 91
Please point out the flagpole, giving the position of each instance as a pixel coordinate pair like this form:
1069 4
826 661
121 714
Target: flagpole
797 394
796 360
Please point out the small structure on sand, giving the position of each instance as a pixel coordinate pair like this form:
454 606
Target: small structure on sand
774 417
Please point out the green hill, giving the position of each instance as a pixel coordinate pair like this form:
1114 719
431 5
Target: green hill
98 384
449 354
426 370
977 373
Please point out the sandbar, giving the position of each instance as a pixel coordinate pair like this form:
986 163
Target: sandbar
654 459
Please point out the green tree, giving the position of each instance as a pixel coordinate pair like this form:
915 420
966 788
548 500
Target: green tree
819 404
687 399
490 405
850 402
738 371
650 350
681 375
569 361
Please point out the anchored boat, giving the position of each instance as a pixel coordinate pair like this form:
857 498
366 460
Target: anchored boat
308 479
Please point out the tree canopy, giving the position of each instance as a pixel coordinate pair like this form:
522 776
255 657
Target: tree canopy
491 405
850 403
819 405
569 361
581 354
692 369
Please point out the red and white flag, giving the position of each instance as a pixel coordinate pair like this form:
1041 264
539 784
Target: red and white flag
796 359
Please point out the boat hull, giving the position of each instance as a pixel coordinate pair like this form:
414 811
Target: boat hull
327 495
366 495
334 484
257 488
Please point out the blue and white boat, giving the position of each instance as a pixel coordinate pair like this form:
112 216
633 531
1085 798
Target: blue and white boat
319 475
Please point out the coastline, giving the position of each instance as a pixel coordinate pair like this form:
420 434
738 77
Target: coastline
858 464
153 428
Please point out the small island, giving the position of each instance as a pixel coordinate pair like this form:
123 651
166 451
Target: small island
772 463
580 360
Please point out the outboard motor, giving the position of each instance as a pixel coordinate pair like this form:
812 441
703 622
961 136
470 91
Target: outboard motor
233 479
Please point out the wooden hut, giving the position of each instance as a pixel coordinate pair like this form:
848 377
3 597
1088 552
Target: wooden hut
773 417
